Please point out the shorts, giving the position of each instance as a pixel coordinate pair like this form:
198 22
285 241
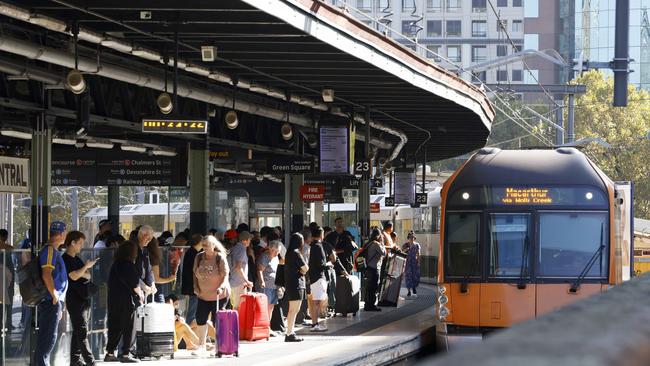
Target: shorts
295 295
205 309
319 290
271 295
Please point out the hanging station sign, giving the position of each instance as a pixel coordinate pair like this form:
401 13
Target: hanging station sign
290 165
161 125
14 175
404 186
96 167
334 145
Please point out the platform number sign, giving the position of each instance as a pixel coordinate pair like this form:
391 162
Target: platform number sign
421 198
389 201
362 167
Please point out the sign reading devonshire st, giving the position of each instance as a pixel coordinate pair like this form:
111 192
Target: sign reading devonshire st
14 175
289 165
177 125
97 167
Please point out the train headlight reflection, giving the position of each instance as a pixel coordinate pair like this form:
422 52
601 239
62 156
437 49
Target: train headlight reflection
465 195
442 299
443 313
589 195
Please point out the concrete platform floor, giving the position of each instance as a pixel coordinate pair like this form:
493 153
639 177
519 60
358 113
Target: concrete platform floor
370 338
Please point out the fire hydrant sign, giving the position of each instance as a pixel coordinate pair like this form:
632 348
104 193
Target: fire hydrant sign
374 207
14 175
312 192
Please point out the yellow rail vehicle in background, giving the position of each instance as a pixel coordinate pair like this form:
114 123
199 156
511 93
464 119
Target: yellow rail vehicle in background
525 232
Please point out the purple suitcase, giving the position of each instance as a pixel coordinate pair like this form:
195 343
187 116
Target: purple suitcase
227 333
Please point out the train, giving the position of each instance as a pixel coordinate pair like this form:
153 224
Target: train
524 232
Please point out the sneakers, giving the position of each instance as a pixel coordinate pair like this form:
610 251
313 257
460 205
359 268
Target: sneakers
111 358
128 359
318 328
199 351
408 294
292 338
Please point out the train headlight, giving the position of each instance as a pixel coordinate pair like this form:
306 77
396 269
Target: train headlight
443 313
589 195
442 289
465 196
442 299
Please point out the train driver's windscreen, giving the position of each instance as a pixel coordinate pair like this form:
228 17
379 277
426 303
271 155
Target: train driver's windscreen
462 251
509 244
569 239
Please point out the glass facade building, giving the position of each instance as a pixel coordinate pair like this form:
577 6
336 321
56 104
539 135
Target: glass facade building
595 30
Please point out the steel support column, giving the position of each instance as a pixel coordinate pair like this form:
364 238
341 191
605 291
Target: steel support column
286 210
297 207
114 208
41 176
199 187
364 188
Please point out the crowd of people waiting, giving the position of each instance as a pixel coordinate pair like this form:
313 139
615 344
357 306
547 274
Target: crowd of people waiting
213 272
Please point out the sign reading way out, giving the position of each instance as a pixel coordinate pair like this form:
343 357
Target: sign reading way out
14 175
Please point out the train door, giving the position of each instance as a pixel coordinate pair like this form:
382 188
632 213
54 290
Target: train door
508 294
624 232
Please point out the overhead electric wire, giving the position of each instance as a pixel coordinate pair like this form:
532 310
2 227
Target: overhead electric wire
505 31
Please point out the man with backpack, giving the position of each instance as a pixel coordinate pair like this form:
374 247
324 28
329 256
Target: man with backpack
55 278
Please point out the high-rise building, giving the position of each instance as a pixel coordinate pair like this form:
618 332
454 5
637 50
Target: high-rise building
595 30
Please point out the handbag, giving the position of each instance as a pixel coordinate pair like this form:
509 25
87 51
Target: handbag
279 276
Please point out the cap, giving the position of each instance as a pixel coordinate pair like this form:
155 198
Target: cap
230 234
104 222
57 227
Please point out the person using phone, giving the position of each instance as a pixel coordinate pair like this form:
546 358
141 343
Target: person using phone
78 298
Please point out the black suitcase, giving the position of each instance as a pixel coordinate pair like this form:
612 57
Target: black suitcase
392 282
347 300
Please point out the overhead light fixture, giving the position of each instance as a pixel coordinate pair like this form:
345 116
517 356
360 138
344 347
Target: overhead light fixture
231 120
328 95
79 144
286 131
208 53
49 23
90 36
98 144
146 54
81 131
75 81
10 132
117 45
62 140
133 148
164 102
20 77
312 140
163 152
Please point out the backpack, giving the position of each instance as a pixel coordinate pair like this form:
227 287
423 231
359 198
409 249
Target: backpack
361 258
31 285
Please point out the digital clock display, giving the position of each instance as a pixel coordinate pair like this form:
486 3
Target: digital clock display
174 126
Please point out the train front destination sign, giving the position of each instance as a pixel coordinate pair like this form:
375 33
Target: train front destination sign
158 125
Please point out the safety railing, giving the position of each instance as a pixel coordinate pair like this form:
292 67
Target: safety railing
17 328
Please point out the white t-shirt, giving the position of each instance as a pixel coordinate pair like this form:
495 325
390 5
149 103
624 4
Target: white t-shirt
100 245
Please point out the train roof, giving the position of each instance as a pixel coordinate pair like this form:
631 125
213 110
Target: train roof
562 166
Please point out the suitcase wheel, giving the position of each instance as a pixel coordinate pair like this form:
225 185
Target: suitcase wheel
219 354
236 354
171 357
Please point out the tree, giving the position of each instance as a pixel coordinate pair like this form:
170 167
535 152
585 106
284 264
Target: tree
624 128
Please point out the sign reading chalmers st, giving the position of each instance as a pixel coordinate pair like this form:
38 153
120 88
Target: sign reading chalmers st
290 165
14 175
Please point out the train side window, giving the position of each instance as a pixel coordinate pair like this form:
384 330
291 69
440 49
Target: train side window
462 244
509 244
427 220
569 240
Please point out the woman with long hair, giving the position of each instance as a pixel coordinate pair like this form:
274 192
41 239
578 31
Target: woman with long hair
124 296
295 269
155 258
210 285
77 299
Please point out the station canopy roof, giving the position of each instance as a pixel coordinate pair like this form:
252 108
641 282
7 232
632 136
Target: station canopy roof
272 50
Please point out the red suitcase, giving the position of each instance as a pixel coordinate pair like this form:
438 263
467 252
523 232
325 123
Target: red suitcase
254 323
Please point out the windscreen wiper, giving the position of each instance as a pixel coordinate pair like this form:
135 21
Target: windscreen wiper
576 284
521 284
